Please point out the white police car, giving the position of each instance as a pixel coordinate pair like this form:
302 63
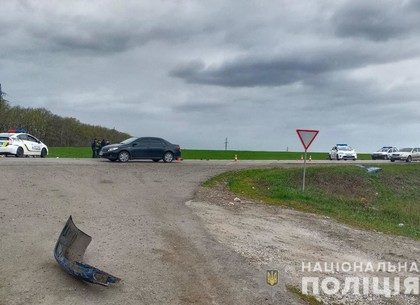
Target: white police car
342 152
21 144
384 153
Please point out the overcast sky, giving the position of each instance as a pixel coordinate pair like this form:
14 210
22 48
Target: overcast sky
196 72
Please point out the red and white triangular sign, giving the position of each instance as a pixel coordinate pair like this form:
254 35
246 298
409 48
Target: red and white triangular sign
307 136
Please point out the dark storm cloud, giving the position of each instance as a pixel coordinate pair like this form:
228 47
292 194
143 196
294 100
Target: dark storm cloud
365 26
377 20
252 71
102 38
98 30
247 72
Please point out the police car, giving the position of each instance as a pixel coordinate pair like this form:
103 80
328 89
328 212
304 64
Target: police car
384 153
342 152
21 144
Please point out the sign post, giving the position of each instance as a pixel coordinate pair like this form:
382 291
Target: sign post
306 136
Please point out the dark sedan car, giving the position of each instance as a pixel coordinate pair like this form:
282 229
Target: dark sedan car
142 148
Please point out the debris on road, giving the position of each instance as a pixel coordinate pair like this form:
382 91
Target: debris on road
69 251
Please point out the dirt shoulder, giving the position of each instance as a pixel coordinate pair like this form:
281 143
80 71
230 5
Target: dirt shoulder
272 237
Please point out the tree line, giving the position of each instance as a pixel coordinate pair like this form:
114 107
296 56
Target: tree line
53 130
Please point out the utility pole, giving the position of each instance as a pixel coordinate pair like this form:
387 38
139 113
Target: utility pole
226 142
2 93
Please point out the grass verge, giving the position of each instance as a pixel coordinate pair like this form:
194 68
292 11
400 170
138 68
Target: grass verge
387 201
193 154
307 298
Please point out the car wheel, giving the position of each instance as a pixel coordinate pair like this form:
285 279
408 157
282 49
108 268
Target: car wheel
123 156
43 153
392 160
329 157
409 159
168 157
19 152
155 160
338 159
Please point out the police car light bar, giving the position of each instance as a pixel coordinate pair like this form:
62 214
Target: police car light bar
16 131
341 145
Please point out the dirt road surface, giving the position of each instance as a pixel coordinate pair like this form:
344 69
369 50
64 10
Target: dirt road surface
171 241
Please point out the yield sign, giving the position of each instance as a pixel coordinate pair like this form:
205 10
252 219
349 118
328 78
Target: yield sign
307 136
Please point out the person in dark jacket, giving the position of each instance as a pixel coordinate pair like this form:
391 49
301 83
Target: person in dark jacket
93 145
98 148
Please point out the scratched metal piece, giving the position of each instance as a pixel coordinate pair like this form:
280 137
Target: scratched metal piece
370 169
69 251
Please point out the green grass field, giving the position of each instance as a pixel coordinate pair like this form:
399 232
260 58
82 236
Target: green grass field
387 201
194 154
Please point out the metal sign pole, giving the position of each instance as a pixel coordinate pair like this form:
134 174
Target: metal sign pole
304 171
306 136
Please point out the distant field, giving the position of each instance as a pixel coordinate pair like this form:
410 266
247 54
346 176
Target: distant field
194 154
70 152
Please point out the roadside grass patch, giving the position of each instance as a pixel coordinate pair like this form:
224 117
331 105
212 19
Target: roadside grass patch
388 201
70 152
307 298
195 154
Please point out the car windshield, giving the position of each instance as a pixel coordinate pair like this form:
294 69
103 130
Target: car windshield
384 149
128 141
406 149
345 148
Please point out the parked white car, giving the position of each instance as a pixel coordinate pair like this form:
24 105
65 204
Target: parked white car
21 144
384 153
407 154
342 152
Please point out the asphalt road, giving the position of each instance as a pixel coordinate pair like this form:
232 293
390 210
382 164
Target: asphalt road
142 230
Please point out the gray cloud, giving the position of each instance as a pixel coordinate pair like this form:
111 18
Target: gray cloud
279 70
377 20
199 107
98 28
252 71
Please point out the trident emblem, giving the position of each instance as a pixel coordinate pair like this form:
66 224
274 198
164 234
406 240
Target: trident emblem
272 277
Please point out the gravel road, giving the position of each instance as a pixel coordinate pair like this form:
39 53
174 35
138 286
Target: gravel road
167 239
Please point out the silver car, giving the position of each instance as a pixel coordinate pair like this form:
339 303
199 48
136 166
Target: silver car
407 154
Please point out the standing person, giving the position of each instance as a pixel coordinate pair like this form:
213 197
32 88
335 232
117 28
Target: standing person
93 146
103 143
98 148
